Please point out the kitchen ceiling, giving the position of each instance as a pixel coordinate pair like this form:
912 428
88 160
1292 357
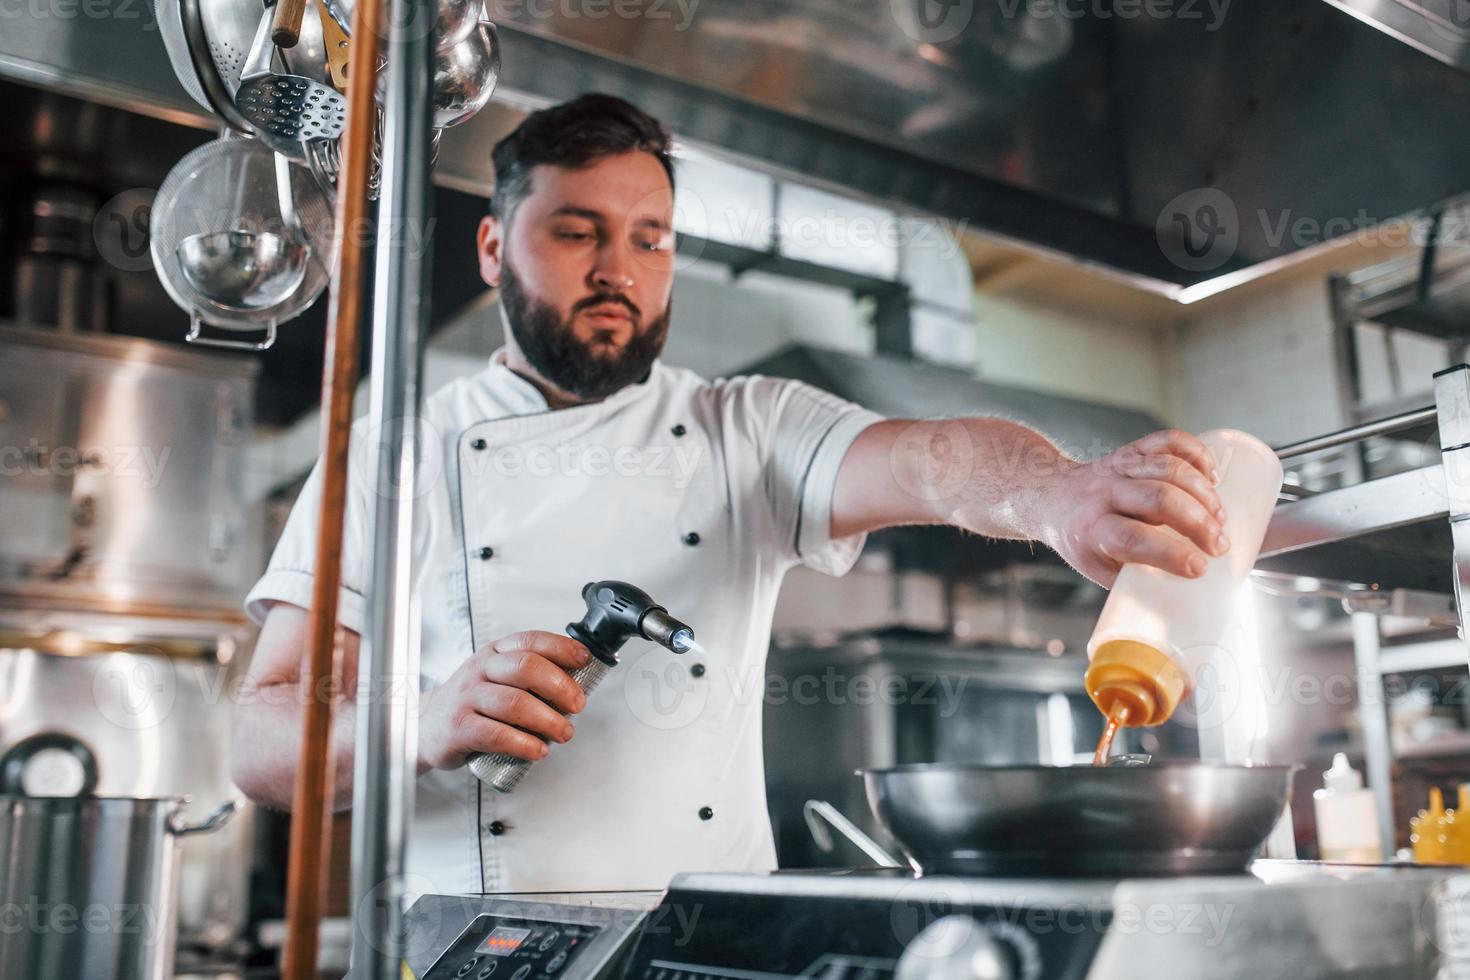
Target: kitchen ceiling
1074 125
1084 127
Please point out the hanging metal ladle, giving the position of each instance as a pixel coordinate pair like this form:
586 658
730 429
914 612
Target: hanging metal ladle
243 270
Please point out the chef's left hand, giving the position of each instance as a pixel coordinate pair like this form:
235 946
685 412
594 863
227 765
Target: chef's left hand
1104 514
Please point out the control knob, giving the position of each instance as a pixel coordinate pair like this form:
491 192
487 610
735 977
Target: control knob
956 947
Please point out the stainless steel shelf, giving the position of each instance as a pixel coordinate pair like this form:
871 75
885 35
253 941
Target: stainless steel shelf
1434 655
1392 533
1365 508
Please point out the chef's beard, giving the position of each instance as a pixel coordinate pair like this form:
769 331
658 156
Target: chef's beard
551 346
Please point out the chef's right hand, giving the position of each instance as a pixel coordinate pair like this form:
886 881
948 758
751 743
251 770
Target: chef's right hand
504 698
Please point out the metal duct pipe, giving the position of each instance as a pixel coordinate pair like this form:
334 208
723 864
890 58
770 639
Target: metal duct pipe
384 777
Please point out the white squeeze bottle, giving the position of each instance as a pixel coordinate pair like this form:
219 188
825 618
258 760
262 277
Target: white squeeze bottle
1157 629
1347 823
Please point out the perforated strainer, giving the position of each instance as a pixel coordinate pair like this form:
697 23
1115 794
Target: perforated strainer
230 26
283 106
224 251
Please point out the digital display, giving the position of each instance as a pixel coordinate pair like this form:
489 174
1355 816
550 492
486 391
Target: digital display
503 940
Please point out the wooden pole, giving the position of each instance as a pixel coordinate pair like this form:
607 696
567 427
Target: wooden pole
311 809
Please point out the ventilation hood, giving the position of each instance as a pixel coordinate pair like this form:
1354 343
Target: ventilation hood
899 388
1438 28
1181 144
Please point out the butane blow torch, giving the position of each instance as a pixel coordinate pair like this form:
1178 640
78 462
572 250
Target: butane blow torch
616 612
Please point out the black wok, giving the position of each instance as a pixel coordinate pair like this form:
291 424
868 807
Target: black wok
1167 818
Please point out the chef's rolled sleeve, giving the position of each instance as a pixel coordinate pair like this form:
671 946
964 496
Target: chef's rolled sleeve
810 431
815 545
291 574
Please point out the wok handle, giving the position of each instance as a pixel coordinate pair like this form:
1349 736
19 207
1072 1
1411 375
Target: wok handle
813 809
214 821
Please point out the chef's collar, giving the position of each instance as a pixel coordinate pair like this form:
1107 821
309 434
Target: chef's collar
525 398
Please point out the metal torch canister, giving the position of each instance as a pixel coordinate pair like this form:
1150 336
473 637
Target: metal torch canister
616 612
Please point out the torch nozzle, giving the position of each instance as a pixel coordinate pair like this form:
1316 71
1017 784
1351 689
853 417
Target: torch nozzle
617 612
666 631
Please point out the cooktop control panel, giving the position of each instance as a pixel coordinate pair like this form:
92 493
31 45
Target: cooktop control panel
494 947
571 936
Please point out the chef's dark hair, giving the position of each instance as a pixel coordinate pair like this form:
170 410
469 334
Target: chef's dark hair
573 134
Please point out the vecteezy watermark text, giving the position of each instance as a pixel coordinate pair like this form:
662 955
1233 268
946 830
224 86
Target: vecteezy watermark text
79 9
680 12
677 464
1211 12
923 902
1201 229
145 464
38 918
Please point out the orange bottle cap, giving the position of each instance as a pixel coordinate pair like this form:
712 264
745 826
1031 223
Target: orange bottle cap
1138 677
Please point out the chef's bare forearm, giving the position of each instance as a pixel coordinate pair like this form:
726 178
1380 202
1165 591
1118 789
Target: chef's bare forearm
986 475
1006 480
1012 467
268 729
270 711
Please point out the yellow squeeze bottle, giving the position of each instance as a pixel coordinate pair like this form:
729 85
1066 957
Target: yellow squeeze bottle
1457 832
1427 831
1157 629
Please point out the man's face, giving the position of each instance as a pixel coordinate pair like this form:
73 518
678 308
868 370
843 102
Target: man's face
586 269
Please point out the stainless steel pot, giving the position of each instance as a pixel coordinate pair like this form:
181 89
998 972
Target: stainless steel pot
89 885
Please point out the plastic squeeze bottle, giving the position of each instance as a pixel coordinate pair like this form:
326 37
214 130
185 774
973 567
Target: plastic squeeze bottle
1157 629
1458 851
1347 823
1427 831
1450 831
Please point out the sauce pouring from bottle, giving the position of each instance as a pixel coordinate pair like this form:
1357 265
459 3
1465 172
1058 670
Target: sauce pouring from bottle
1116 720
1157 630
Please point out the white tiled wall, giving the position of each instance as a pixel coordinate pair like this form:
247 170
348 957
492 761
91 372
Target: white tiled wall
1265 366
1268 368
1409 375
1074 351
1261 360
721 326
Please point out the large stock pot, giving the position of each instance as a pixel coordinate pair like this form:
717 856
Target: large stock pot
89 884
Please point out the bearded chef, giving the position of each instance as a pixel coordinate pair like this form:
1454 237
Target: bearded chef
577 455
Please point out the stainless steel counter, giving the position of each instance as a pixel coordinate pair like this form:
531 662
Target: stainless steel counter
1284 920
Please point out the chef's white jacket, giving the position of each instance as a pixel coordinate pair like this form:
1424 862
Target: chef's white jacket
701 493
